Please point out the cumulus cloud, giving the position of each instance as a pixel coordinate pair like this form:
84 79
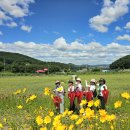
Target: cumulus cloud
12 9
26 28
75 52
110 12
127 25
12 24
117 28
124 37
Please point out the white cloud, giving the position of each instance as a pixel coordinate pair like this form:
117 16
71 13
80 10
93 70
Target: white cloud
124 37
26 28
74 52
12 9
127 25
110 13
117 28
12 24
1 33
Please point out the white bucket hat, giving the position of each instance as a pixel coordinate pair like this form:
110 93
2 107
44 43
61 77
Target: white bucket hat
78 79
93 80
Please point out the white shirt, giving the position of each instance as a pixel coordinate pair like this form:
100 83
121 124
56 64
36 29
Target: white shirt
101 88
71 88
79 86
92 87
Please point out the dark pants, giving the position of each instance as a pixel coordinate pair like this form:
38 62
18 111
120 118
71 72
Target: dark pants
72 107
102 102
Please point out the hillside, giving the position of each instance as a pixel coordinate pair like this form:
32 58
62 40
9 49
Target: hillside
19 63
122 63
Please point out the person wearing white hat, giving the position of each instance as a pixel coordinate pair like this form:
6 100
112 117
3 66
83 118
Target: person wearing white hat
78 85
92 87
59 91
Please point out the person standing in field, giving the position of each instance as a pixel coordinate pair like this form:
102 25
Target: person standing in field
92 87
101 87
71 95
78 85
79 92
59 91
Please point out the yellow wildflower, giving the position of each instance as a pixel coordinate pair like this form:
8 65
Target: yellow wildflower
90 103
17 92
51 113
47 119
71 127
32 97
96 103
43 128
74 117
83 102
19 106
79 121
117 104
39 120
47 91
125 95
1 125
60 89
111 117
81 111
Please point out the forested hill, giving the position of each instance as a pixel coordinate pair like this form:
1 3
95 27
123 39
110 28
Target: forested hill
122 63
15 62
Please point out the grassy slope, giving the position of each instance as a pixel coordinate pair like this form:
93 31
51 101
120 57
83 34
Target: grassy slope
117 83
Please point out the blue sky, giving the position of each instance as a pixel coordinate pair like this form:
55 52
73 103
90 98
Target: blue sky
76 31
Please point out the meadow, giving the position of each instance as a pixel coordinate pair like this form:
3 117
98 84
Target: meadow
25 104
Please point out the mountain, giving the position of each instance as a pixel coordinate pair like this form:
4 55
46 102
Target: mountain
18 63
122 63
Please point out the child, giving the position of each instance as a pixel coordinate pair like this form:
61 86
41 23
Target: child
78 85
59 91
71 94
102 86
92 87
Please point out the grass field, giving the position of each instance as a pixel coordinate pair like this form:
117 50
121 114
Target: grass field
14 117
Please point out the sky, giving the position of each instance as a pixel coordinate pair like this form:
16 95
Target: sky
68 31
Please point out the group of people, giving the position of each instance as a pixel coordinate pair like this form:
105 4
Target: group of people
96 89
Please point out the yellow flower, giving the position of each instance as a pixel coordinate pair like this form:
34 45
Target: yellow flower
19 106
39 120
89 113
51 113
70 112
125 95
71 127
111 117
74 117
60 89
117 104
81 111
32 97
47 91
90 103
47 119
96 103
102 112
103 118
17 92
83 102
24 90
1 125
112 127
79 121
43 128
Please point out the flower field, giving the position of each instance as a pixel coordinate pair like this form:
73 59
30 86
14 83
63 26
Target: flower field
26 104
